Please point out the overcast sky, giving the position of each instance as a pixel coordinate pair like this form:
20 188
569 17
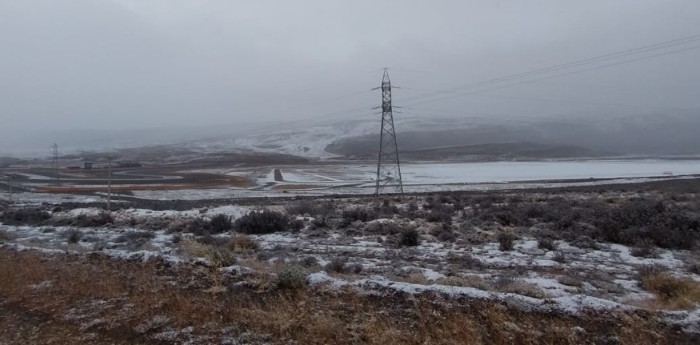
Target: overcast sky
123 64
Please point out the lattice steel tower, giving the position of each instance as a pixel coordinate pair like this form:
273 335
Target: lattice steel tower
388 165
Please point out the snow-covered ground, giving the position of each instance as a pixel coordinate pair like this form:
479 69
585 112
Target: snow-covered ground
568 279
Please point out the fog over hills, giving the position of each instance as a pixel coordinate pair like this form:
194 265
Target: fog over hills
583 136
420 137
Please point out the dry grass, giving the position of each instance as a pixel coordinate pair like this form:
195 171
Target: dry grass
6 236
132 294
217 256
672 292
243 244
466 281
522 288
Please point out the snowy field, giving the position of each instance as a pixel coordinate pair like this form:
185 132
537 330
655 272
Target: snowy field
456 257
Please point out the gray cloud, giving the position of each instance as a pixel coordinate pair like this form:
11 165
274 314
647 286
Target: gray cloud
120 64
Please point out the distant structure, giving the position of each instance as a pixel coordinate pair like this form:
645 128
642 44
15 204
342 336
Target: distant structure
54 162
388 165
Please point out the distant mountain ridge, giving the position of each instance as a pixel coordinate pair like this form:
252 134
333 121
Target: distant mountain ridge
485 137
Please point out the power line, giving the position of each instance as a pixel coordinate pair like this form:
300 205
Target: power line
455 94
574 64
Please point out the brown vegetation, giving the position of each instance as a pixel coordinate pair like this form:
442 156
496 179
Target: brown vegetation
99 300
672 292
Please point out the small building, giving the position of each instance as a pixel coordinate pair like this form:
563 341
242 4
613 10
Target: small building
87 165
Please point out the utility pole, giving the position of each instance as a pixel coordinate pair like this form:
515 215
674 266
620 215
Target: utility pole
388 165
109 184
9 186
54 163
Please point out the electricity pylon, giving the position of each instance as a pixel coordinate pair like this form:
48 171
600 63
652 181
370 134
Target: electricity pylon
388 165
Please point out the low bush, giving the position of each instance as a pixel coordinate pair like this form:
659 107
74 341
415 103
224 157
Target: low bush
135 240
319 222
358 213
338 265
311 208
216 255
444 233
21 216
506 241
644 249
197 226
291 278
73 235
442 214
465 261
560 257
408 237
382 228
261 222
386 209
220 223
92 221
216 241
303 208
636 220
130 236
309 261
296 225
546 244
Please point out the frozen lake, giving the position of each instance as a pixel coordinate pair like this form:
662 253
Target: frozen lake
443 173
